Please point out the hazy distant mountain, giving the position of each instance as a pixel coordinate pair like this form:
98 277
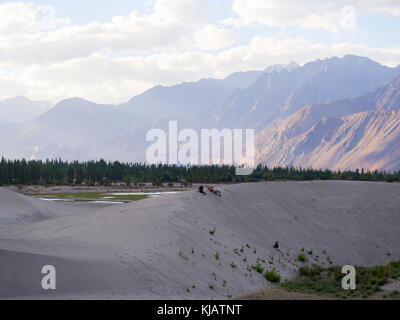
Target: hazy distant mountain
16 111
346 134
79 129
281 67
7 131
71 129
188 98
275 96
21 109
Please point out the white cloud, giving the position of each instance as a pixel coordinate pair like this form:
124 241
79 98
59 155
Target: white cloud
306 14
24 40
236 22
331 15
107 80
22 18
182 11
386 7
212 37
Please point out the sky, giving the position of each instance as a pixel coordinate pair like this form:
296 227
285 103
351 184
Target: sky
109 51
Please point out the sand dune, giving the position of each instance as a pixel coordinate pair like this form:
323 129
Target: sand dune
162 247
16 208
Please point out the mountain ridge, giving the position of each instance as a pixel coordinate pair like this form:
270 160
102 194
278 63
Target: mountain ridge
361 133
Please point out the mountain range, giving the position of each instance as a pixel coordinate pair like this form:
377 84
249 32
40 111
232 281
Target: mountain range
347 134
337 113
17 111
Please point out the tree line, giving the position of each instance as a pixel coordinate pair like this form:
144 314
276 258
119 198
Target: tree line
59 172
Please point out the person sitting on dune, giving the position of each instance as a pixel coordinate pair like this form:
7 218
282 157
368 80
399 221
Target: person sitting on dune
201 190
217 193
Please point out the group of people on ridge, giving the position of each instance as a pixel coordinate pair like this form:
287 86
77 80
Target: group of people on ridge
210 189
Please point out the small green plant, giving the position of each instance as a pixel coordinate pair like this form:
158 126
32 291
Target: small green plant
310 271
255 251
259 268
310 252
272 276
212 232
211 286
328 281
224 283
192 250
187 289
180 253
245 259
233 265
301 257
247 245
217 255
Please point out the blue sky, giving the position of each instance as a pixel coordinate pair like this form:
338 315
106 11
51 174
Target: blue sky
109 51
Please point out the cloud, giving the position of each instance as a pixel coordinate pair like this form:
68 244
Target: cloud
385 7
306 14
103 79
331 15
21 18
212 37
45 57
26 36
182 11
236 22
